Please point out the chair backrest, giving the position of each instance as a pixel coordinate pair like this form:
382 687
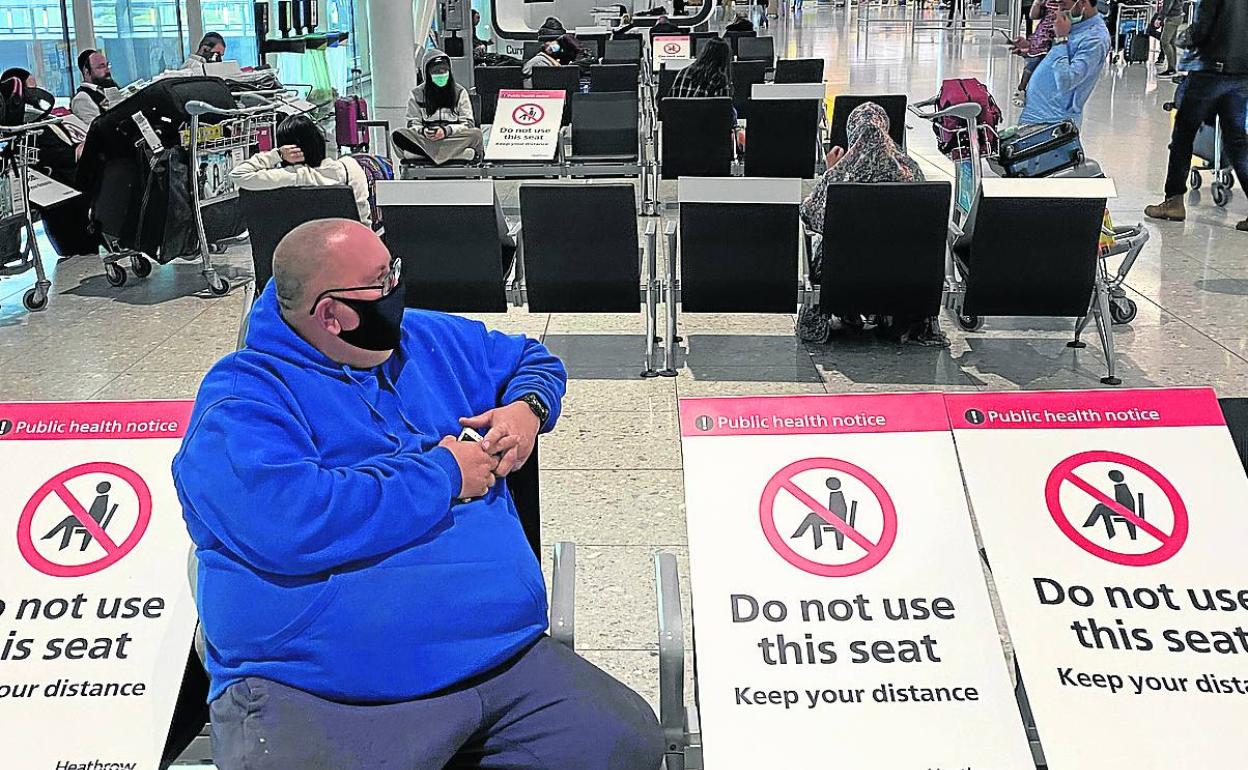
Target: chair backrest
1013 272
622 51
694 37
605 124
271 214
745 74
783 138
757 49
531 49
875 267
1235 410
894 105
614 77
595 44
667 76
580 248
733 38
446 232
739 245
799 71
566 79
696 138
489 81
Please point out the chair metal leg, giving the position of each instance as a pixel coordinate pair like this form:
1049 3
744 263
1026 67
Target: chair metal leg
653 286
1105 326
1083 323
672 715
669 353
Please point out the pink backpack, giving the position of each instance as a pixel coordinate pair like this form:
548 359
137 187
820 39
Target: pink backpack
960 91
349 112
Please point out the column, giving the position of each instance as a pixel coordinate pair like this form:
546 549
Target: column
392 41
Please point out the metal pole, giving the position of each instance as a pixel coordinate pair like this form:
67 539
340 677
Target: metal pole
669 353
653 286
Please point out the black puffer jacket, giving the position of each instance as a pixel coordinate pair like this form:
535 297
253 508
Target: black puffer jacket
1219 35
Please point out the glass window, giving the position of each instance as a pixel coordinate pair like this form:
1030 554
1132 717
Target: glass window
140 37
234 20
33 36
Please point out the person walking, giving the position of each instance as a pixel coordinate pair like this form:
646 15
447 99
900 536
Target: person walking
1217 84
1172 19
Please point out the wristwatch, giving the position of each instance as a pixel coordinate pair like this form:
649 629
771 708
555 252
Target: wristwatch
1060 40
535 403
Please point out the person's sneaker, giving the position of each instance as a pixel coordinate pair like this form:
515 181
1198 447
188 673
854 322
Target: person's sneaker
1242 226
1020 98
1171 210
1165 74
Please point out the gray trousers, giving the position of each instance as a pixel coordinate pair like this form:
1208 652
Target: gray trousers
548 709
1168 32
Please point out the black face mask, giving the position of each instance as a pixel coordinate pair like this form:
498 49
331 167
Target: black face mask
381 321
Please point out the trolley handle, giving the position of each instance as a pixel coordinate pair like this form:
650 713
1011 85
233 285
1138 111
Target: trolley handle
967 111
26 128
197 107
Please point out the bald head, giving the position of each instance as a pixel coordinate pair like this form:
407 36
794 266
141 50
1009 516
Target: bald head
326 254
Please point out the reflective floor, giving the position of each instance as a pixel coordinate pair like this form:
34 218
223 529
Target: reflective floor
611 472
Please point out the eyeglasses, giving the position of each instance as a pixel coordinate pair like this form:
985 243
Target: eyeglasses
390 282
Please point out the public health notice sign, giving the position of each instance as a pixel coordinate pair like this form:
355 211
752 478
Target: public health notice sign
841 612
96 615
526 125
1115 525
665 48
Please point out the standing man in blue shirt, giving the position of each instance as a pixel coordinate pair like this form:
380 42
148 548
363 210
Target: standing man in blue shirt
1063 82
367 594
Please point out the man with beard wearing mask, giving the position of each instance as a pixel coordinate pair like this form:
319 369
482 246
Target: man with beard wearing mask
366 590
90 101
59 147
211 50
440 124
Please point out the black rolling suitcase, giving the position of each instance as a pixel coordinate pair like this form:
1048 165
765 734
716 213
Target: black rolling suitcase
1037 151
1137 48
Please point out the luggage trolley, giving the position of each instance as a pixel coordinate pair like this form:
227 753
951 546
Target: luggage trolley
230 141
968 158
17 254
1209 149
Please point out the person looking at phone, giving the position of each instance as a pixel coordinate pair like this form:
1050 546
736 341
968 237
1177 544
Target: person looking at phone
441 126
1063 82
300 161
358 613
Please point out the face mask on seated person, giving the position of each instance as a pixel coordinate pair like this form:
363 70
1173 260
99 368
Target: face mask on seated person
381 319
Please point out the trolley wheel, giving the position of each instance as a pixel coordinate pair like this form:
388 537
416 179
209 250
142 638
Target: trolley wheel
1194 180
1227 179
1122 310
115 275
970 323
35 300
1221 195
141 267
219 287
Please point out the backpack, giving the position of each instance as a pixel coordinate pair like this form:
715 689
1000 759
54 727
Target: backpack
950 131
375 168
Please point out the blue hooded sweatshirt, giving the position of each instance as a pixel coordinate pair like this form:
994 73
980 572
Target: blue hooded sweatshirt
334 556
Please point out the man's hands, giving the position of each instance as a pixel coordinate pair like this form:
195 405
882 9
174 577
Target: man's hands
291 154
512 433
1062 23
476 467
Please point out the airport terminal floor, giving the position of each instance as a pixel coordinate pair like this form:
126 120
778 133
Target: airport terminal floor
611 472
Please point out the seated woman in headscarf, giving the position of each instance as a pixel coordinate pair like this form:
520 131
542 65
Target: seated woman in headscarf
67 224
440 124
872 156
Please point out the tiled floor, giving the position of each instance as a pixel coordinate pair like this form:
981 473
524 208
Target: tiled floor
612 478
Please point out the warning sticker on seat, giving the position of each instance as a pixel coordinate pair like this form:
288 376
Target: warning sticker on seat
96 616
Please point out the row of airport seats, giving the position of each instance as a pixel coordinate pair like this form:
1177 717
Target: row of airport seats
737 246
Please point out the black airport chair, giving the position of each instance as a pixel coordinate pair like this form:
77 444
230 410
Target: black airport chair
696 138
799 71
614 77
783 138
271 214
489 81
894 106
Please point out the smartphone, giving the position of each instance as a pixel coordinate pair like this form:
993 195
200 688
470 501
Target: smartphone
468 434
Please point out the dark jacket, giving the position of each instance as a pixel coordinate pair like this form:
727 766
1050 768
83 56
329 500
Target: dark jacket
667 28
740 25
1219 35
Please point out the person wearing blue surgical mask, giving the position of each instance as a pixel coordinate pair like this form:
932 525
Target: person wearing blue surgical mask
553 53
441 126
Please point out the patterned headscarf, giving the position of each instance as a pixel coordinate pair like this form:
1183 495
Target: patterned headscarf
872 156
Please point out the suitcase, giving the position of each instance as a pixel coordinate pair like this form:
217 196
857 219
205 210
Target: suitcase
1037 151
1137 50
349 113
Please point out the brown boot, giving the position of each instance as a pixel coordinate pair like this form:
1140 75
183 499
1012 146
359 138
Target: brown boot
1171 210
1242 226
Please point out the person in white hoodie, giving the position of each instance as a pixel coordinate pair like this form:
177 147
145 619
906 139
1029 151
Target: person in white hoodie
300 161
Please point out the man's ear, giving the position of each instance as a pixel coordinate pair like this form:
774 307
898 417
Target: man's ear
327 314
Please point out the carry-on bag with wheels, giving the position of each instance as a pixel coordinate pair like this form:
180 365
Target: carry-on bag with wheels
1036 151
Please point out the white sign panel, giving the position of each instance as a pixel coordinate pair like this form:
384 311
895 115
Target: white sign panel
96 615
842 616
46 191
1114 522
669 47
526 125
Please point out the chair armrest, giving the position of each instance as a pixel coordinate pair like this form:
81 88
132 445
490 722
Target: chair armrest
563 595
672 716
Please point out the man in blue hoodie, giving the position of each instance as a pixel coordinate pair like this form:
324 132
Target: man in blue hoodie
366 591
